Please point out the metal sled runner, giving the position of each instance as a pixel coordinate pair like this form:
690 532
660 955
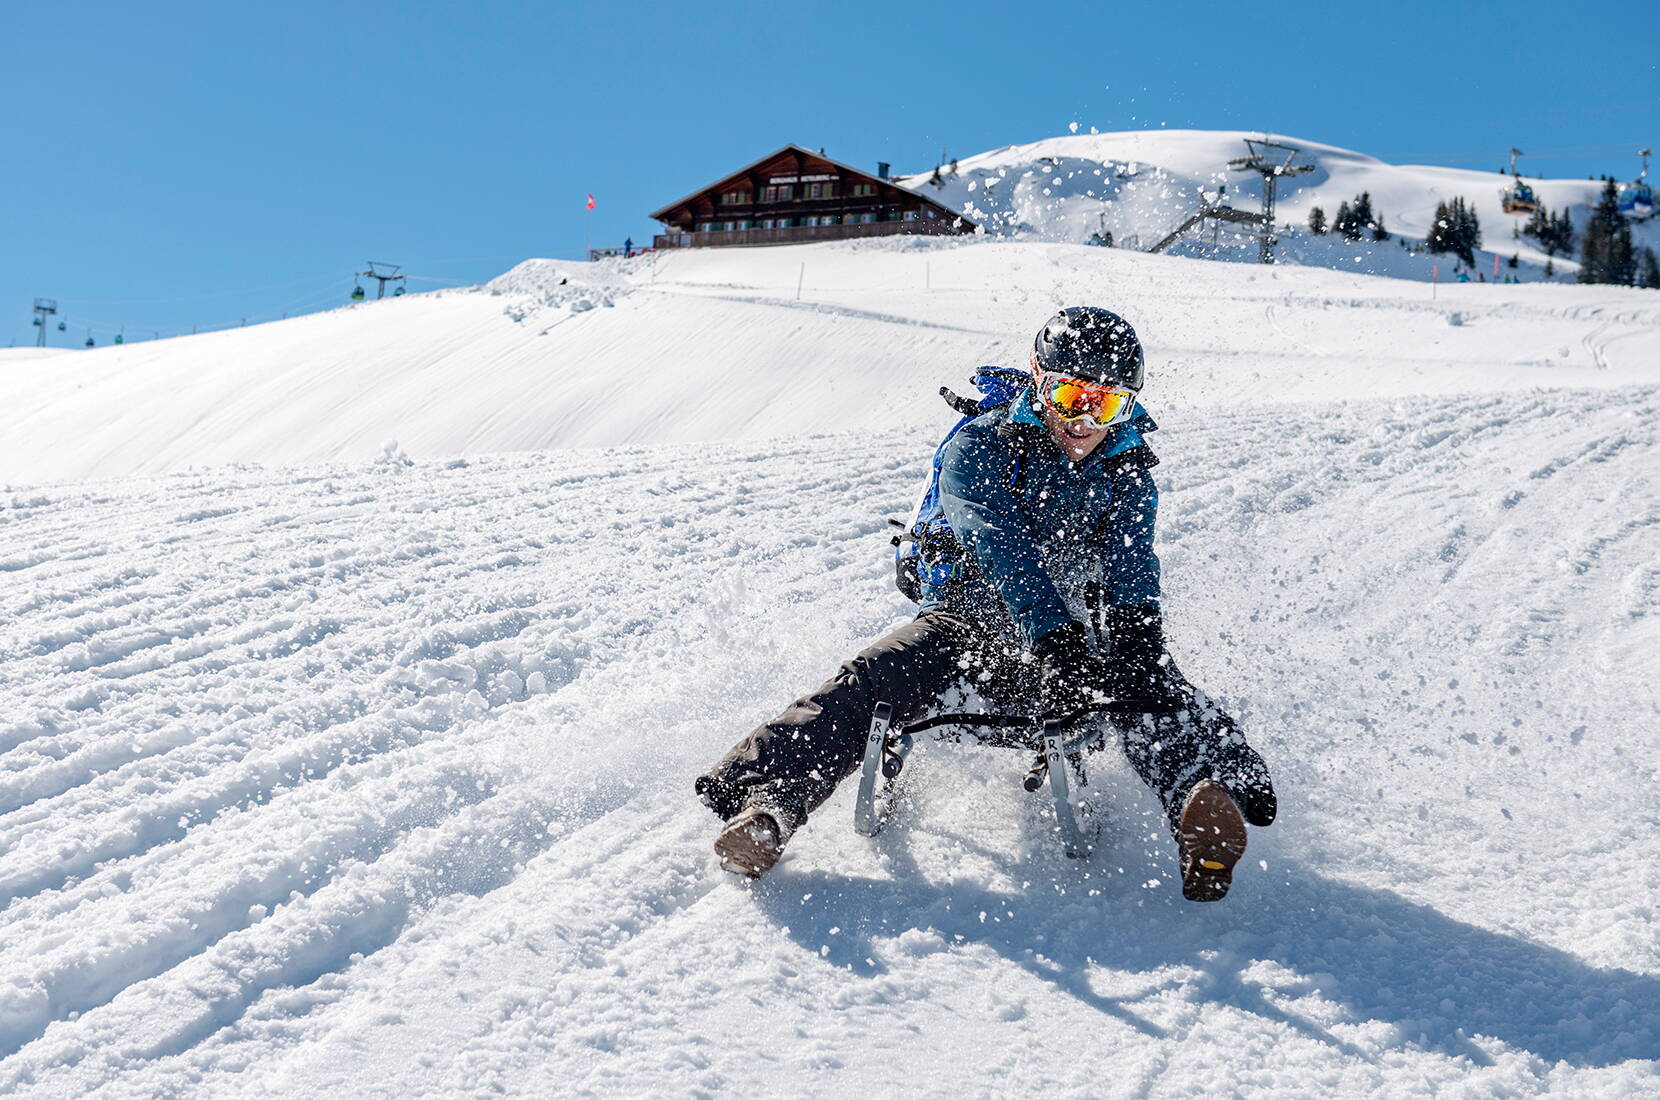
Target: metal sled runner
1059 762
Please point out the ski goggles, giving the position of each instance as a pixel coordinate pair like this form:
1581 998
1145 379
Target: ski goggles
1077 398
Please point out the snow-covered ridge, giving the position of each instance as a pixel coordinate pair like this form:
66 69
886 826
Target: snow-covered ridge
1140 185
750 344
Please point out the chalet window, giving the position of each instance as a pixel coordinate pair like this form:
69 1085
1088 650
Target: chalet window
783 192
862 189
734 198
912 215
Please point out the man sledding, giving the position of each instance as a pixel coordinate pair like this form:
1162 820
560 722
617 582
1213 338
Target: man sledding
1032 559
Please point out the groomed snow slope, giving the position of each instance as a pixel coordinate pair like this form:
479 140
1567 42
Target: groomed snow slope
712 346
374 778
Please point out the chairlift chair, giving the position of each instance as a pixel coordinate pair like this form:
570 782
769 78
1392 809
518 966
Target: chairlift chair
1636 200
90 342
357 294
120 339
1518 198
398 292
63 326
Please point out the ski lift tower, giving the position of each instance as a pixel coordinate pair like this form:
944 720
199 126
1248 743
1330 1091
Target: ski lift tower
44 308
383 273
1270 160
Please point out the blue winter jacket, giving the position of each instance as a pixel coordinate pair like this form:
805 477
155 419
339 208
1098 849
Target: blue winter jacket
1047 539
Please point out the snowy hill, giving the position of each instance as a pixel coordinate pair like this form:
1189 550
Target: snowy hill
715 346
375 778
1140 185
329 766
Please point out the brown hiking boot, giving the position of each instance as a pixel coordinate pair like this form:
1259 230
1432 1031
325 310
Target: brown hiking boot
1212 838
751 842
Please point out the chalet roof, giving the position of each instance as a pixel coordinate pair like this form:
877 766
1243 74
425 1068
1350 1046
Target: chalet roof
662 214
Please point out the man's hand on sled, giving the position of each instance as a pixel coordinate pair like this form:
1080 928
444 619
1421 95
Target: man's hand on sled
1070 675
1138 681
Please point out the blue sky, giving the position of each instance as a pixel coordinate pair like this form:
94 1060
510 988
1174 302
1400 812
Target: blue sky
190 164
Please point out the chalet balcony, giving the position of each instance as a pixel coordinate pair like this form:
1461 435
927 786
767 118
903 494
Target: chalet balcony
797 234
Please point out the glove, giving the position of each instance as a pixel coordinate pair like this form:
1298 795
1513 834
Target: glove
1070 675
1137 679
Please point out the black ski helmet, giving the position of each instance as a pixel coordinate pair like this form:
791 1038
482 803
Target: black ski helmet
1090 342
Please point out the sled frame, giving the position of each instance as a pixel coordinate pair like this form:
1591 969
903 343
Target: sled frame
1059 763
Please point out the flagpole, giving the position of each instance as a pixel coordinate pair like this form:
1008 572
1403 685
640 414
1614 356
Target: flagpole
587 223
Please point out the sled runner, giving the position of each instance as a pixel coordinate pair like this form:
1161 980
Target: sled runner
1058 762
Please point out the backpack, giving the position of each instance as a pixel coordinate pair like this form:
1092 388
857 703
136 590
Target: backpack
926 551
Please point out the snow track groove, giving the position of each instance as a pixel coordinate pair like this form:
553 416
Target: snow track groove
376 777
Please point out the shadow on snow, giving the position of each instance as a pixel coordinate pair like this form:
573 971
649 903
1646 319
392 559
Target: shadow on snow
1381 957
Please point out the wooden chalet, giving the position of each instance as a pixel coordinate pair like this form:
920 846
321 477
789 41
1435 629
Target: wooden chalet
795 195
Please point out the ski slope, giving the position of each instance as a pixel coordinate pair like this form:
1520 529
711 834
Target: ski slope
327 765
708 346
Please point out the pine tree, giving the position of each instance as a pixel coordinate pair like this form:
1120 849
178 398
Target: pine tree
1438 238
1456 230
1562 232
1606 255
1379 233
1648 270
1538 225
1344 223
1317 222
1363 211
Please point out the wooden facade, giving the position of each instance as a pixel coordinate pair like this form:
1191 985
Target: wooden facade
796 195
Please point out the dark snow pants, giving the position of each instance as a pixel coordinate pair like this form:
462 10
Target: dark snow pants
793 763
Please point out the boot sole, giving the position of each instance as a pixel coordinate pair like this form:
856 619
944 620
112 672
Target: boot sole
748 847
1212 840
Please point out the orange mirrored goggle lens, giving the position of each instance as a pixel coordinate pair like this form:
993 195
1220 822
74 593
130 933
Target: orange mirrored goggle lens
1073 398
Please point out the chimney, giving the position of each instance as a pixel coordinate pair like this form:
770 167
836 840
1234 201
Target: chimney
882 167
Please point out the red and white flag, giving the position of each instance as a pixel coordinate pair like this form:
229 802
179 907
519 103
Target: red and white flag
590 201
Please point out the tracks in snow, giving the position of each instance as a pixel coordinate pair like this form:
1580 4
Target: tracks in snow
283 751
